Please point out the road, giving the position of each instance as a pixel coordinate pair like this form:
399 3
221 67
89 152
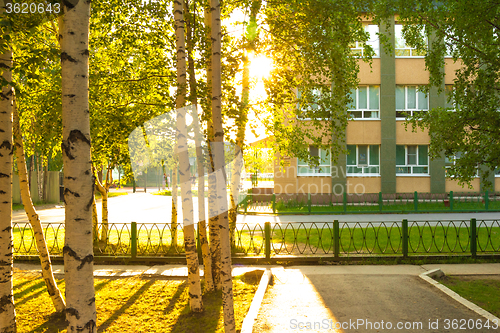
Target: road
143 207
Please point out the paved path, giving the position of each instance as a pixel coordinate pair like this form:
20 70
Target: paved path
360 296
147 208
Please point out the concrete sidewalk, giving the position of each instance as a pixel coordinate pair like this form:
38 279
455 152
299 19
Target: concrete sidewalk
322 298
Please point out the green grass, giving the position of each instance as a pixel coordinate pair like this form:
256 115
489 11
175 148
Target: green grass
374 240
131 305
110 194
169 193
482 291
397 206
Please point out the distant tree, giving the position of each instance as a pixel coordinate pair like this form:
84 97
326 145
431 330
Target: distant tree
469 32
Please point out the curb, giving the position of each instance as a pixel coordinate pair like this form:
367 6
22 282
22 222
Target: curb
247 325
436 273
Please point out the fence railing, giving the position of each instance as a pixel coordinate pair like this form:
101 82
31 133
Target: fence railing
345 203
302 240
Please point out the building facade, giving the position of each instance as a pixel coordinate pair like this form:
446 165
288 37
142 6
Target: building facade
383 156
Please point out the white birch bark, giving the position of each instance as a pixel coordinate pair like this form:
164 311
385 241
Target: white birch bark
78 178
7 311
202 224
213 219
34 219
194 283
218 148
173 223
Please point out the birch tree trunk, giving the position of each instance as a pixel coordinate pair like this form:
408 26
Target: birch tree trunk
173 224
213 224
7 311
103 189
36 225
218 148
202 225
194 283
78 177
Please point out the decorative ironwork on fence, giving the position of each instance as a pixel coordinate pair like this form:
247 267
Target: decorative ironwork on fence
345 203
332 240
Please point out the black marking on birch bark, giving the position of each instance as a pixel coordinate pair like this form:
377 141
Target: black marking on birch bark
91 301
5 300
70 95
7 229
70 178
88 327
87 259
85 53
65 56
67 190
3 192
91 201
6 145
73 137
72 312
2 131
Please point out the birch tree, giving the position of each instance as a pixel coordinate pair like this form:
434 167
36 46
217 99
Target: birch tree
7 311
78 178
34 219
200 159
195 300
219 162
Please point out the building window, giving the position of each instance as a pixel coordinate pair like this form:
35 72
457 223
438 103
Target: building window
450 101
357 48
410 100
323 169
403 49
363 160
307 110
452 161
413 160
366 102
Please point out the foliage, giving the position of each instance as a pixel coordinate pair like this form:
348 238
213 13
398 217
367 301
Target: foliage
313 72
472 130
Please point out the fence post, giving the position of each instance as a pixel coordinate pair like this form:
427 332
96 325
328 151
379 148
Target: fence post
267 235
486 200
405 238
246 203
309 202
415 201
451 200
274 203
133 240
345 201
336 239
380 202
473 237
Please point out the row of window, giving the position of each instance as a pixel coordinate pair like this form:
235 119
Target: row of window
365 160
402 49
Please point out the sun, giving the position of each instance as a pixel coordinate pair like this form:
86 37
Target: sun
260 66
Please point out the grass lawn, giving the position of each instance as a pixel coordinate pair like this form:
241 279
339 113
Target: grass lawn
131 305
482 291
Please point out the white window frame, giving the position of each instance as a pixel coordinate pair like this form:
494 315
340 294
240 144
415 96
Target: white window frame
358 48
367 110
413 53
365 168
450 89
408 110
316 171
315 92
449 163
412 166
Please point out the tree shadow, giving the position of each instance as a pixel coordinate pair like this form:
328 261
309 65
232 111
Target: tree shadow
175 297
104 326
56 322
206 321
28 290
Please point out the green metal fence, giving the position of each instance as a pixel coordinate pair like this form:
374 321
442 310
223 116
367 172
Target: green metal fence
293 240
369 203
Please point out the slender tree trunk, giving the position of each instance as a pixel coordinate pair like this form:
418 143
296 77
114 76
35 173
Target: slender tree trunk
95 225
202 225
78 177
102 188
36 225
213 224
7 311
194 283
173 224
218 148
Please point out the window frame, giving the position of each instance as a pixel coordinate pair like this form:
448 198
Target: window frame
411 166
406 109
399 34
317 169
364 167
448 164
367 110
359 46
